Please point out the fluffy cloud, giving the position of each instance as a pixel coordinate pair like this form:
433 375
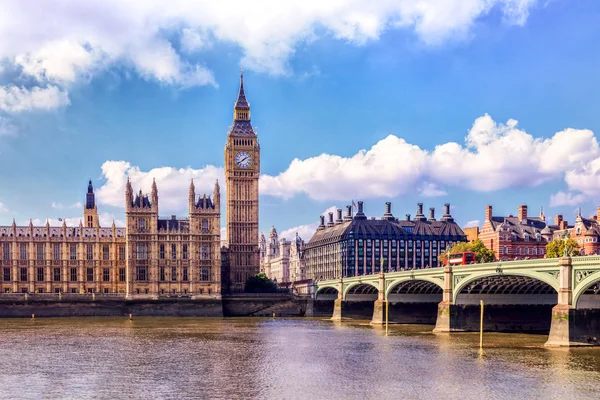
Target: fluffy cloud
495 156
173 184
3 207
16 99
81 38
372 173
566 199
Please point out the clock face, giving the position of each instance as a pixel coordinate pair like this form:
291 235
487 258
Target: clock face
243 159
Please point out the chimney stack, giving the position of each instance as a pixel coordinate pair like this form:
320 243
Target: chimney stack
360 214
522 212
488 213
598 214
408 217
557 220
322 223
330 223
432 214
447 208
420 216
348 213
564 225
388 211
339 216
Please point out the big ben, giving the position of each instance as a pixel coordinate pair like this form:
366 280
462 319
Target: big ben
242 170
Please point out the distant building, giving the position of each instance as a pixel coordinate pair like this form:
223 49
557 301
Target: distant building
356 245
282 260
522 236
586 232
472 233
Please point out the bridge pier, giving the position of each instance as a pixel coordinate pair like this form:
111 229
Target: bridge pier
562 328
337 304
379 305
446 315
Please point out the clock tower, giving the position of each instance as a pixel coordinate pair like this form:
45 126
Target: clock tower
242 170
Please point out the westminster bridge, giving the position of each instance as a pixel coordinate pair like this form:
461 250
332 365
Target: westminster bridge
559 295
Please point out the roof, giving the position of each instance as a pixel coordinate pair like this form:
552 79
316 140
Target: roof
530 226
360 228
241 102
242 129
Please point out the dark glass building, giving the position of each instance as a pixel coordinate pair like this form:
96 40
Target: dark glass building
357 245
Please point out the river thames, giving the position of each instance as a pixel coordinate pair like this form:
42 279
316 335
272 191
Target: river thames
85 358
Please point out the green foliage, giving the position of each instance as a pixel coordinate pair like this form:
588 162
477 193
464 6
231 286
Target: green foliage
482 253
556 248
260 284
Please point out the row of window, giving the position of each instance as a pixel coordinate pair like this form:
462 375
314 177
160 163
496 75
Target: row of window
57 251
142 251
524 251
141 274
143 225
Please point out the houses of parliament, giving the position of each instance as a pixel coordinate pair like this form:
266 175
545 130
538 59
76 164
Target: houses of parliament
150 256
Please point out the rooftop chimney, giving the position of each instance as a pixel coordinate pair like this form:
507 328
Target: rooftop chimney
339 216
447 216
388 211
420 216
360 214
408 217
432 214
322 222
330 223
598 214
488 213
557 220
564 225
522 212
348 213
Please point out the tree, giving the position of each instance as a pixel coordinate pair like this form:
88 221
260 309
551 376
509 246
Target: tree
260 284
482 253
556 248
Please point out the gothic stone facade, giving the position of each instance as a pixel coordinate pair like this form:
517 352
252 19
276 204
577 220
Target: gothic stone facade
356 245
282 260
151 255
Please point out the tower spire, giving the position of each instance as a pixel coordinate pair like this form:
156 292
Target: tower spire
90 201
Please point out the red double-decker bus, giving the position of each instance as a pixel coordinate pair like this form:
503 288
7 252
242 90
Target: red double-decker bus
460 258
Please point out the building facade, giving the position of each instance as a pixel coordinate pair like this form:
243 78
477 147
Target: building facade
282 260
151 255
356 245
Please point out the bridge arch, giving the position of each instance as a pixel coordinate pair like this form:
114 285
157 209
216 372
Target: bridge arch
328 291
424 285
590 283
517 282
360 288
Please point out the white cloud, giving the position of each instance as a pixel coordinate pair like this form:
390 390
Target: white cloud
566 199
372 173
172 183
495 156
3 207
60 206
61 41
472 223
15 99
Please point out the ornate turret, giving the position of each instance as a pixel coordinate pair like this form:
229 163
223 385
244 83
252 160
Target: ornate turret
217 195
128 194
191 195
90 211
154 194
241 114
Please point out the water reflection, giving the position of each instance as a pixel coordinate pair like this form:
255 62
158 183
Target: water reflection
281 358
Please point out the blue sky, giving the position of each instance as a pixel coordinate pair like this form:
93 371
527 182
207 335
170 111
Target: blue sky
432 94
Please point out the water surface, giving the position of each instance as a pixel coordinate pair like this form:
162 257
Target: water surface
85 358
